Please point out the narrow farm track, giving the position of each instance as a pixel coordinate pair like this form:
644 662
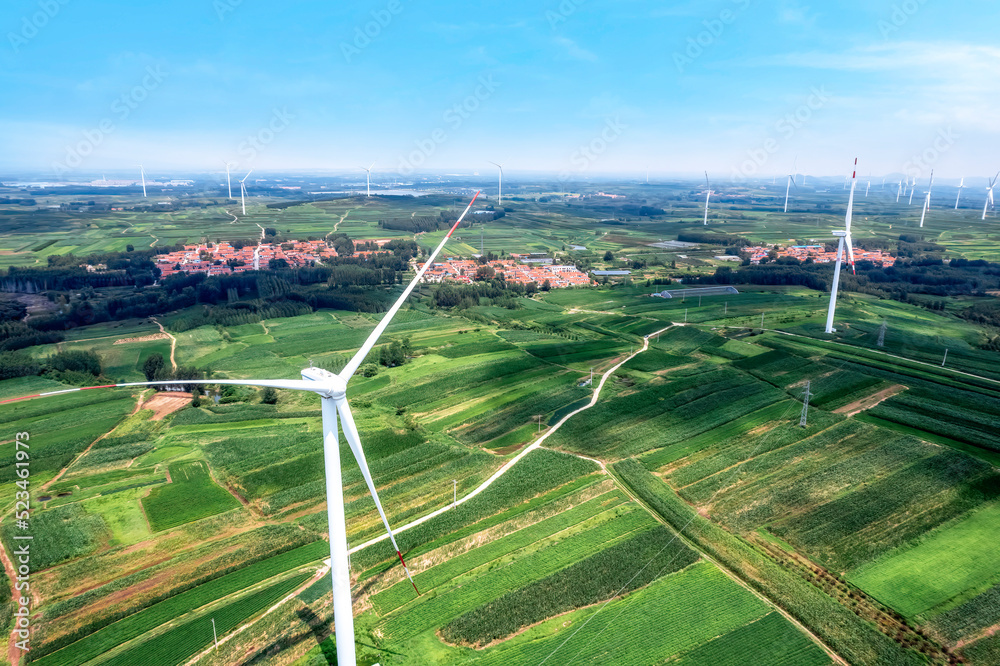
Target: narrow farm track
486 484
173 342
528 449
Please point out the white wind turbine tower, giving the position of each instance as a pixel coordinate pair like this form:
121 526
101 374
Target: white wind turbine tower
332 390
961 186
899 189
845 238
142 174
708 195
989 194
243 191
913 187
369 177
788 186
229 182
500 183
927 200
869 186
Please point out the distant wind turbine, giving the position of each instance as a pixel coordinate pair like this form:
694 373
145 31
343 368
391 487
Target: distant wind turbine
899 189
845 238
989 194
369 179
332 390
229 183
961 186
708 195
927 200
500 184
788 186
913 187
243 191
869 186
142 174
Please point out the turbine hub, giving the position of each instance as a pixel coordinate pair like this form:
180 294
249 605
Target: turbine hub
333 385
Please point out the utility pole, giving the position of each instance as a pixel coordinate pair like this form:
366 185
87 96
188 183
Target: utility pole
539 417
685 315
726 311
699 301
591 382
881 335
805 406
945 358
762 322
215 635
455 501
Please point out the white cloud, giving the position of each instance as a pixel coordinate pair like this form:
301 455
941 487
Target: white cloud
572 50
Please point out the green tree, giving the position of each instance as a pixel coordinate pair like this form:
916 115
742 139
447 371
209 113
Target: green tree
608 256
269 396
153 366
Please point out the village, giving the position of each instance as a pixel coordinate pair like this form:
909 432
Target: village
818 253
224 259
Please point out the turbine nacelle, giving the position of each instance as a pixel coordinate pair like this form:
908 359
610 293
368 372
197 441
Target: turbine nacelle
330 385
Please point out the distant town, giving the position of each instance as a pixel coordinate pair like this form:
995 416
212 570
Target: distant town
224 259
818 253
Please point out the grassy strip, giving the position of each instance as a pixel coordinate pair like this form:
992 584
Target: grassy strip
139 623
850 636
180 643
991 457
515 492
771 640
622 568
399 594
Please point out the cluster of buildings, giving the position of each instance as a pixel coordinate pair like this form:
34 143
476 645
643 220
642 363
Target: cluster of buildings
223 258
522 269
819 254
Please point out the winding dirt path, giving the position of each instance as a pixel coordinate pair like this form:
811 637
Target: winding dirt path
337 225
173 342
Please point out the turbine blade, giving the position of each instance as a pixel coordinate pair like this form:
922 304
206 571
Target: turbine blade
354 441
292 384
850 252
359 357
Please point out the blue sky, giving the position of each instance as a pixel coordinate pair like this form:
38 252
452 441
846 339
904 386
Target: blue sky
582 87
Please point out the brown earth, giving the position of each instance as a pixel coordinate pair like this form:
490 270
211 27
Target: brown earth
166 403
870 401
145 338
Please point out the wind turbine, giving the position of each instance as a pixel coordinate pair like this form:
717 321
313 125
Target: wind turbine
869 186
369 178
500 185
229 183
142 174
961 186
845 238
913 186
332 390
788 186
243 191
989 194
708 195
899 189
927 200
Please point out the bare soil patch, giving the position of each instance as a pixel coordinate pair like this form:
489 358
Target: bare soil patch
870 401
166 403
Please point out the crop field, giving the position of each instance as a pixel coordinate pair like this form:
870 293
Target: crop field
900 498
944 567
191 495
